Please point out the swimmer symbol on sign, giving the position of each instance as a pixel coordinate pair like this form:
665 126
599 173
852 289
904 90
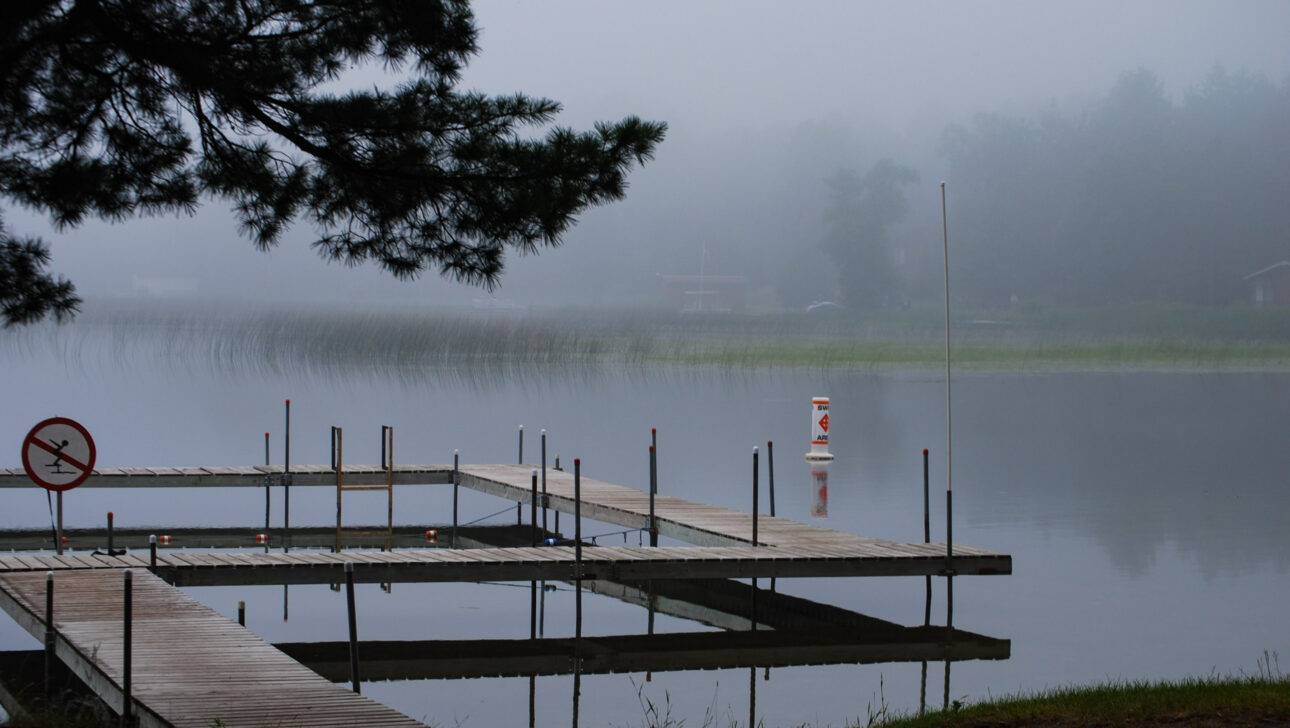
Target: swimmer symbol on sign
72 449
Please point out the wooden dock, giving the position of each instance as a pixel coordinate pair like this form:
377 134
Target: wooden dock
193 667
550 563
190 666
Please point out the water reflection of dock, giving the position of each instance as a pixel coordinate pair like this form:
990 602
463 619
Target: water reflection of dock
452 659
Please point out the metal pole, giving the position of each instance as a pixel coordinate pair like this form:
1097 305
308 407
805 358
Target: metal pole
268 481
544 498
653 475
286 482
577 541
949 448
456 480
59 537
353 628
521 460
927 538
49 634
770 474
949 562
128 647
949 531
533 510
577 512
152 553
755 493
241 612
338 464
389 483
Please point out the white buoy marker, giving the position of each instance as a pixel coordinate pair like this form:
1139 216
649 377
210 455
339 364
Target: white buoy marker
819 430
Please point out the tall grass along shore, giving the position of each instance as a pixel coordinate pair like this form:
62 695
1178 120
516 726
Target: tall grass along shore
407 342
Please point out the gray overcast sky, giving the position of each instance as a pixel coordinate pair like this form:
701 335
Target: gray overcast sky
733 79
714 63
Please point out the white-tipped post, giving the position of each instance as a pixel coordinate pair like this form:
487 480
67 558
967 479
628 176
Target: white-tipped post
819 430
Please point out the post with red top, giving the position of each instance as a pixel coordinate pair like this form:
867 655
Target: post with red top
653 489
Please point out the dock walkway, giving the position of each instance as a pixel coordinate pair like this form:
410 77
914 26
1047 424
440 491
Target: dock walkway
190 666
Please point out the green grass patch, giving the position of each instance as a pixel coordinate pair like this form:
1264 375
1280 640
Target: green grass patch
1195 702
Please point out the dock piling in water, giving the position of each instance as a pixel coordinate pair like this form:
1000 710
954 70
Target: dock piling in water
353 628
49 634
127 718
755 495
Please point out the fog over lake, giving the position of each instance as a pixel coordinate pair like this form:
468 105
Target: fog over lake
1141 510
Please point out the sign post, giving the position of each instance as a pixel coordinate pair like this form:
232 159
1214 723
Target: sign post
58 455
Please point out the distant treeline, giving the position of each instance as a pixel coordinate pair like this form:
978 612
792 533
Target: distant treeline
1140 198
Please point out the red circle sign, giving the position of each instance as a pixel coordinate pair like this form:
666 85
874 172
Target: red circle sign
58 454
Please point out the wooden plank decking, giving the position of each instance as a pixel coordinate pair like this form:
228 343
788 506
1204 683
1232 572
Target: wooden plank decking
191 666
192 568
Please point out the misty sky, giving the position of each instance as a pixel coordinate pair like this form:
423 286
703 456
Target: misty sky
737 83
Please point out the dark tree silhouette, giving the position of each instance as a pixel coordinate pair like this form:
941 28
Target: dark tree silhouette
861 210
116 108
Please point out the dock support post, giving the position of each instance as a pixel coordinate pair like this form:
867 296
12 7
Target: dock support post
338 464
152 553
49 634
544 498
577 542
241 612
770 474
268 483
533 510
927 538
520 461
755 495
127 711
286 483
456 481
109 535
653 490
949 563
353 628
770 482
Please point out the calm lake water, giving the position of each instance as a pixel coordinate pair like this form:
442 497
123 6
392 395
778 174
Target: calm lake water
1145 512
